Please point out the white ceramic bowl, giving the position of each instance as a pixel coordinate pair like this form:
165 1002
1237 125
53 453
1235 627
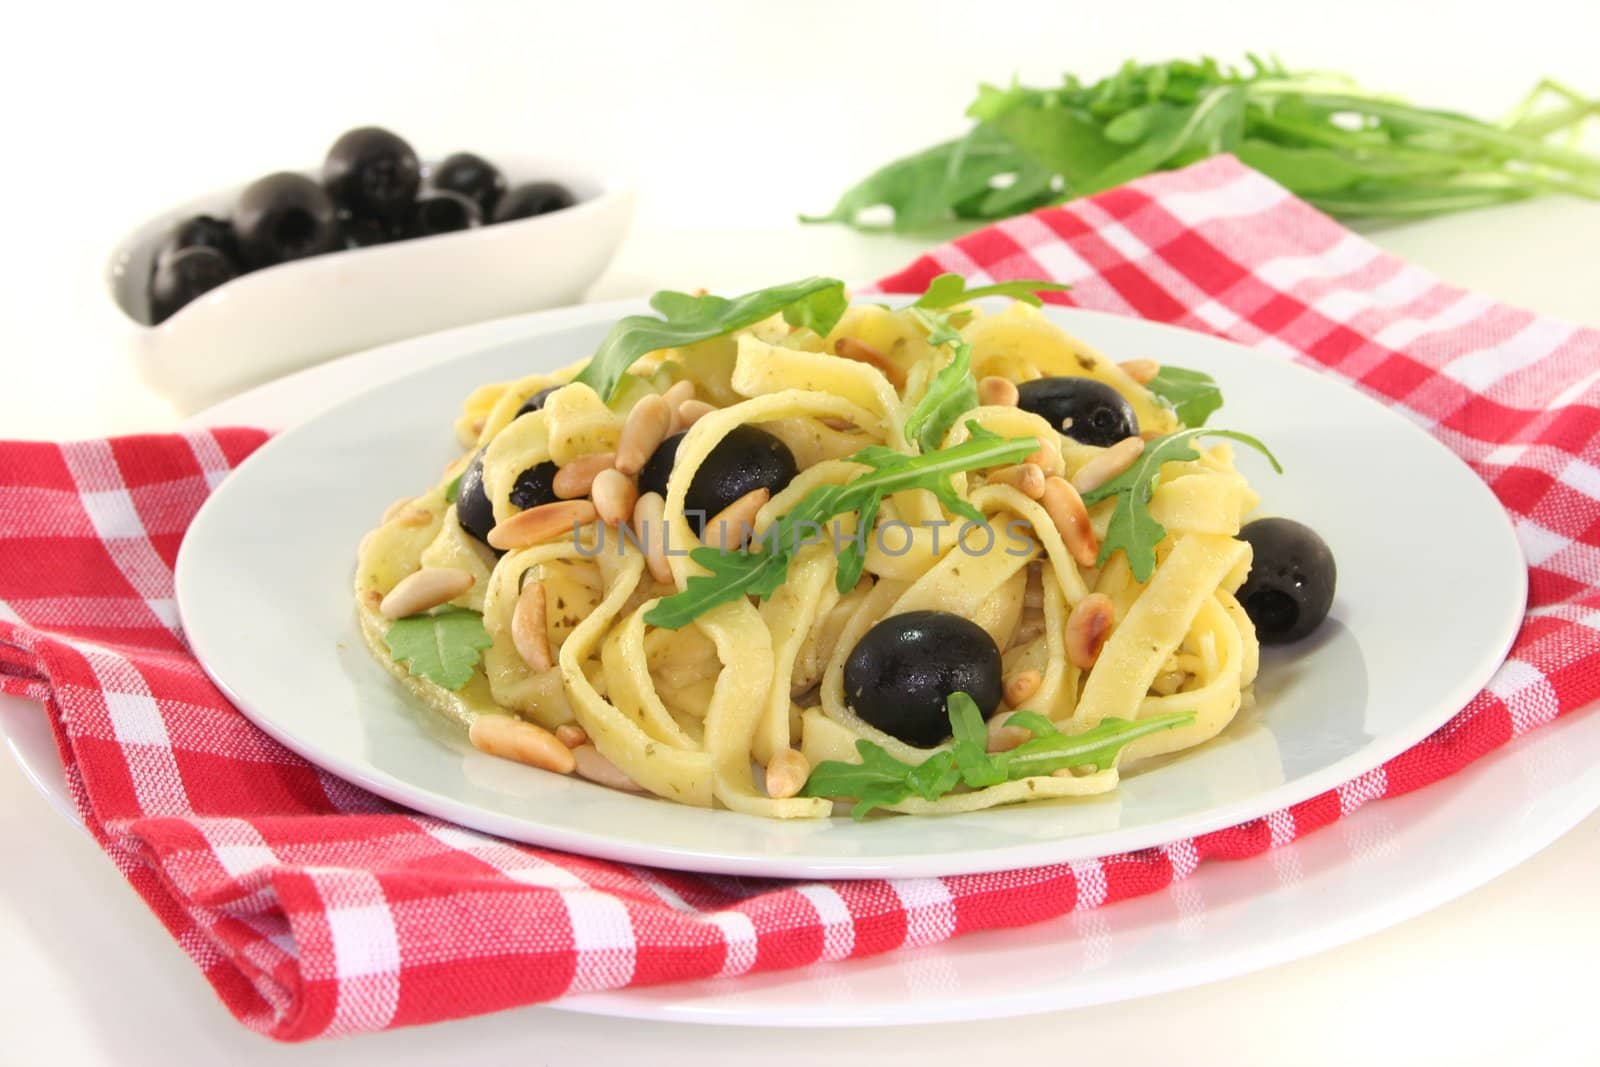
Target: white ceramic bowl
273 321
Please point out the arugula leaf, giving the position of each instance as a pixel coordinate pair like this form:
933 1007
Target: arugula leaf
452 489
1351 152
442 647
948 290
880 780
970 742
1096 747
1133 529
953 391
924 190
1193 395
815 303
819 312
853 559
762 569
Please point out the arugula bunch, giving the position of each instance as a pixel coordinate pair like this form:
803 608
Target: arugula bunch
762 568
1132 528
880 780
1351 152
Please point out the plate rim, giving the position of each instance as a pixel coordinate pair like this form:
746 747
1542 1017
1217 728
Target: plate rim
1068 849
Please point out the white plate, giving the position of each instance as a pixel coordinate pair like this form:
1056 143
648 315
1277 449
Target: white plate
263 581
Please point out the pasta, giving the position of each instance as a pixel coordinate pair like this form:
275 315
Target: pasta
720 710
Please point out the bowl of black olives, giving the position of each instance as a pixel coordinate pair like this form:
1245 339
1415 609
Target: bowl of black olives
377 244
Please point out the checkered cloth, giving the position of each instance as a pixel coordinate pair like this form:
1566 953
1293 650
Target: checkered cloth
316 909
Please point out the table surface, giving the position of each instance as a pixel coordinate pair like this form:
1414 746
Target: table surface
87 974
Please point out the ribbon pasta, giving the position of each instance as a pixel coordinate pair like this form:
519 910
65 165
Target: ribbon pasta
690 715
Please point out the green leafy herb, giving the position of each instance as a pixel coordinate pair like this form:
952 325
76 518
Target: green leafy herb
953 391
1132 528
452 489
880 780
760 570
947 290
1193 395
814 303
442 647
950 181
1351 152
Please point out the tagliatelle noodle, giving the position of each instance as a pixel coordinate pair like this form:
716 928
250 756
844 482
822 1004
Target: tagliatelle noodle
691 715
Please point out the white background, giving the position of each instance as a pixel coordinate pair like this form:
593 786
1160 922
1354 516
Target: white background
734 117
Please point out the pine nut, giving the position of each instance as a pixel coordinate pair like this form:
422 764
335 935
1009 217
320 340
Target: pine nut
601 771
394 509
1003 738
614 496
1020 687
371 598
543 523
528 633
517 739
424 589
692 411
571 734
853 349
678 393
649 523
1066 509
786 774
729 527
576 477
1048 456
1088 628
1107 465
994 391
414 517
1142 371
1026 478
646 427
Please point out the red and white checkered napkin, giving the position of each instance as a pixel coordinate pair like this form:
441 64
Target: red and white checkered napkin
316 909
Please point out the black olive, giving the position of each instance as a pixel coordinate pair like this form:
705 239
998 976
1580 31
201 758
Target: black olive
372 172
282 217
1100 415
1291 582
439 211
658 468
902 671
535 486
473 510
475 513
202 231
473 177
184 275
356 231
534 198
747 459
536 401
